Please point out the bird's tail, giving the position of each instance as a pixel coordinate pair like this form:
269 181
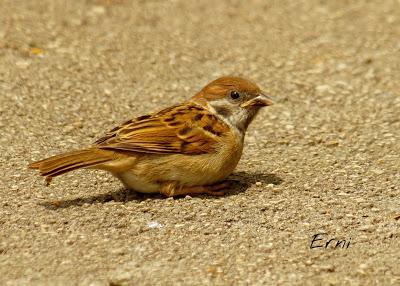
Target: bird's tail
63 163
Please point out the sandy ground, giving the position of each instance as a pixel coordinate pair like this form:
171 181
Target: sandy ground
323 159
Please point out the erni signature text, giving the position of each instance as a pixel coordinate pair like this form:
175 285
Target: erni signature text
322 240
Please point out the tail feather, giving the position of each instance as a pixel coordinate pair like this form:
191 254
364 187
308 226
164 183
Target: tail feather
63 163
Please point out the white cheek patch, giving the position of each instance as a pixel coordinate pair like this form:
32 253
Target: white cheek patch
231 114
239 118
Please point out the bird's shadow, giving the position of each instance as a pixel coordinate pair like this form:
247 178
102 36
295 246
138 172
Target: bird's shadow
240 182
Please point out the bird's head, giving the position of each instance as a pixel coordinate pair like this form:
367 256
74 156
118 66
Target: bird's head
234 99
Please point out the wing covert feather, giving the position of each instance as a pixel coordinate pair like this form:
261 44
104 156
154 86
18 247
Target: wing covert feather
181 129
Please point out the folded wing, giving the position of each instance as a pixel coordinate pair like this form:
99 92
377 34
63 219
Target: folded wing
181 129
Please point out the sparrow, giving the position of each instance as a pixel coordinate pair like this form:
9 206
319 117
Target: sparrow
185 149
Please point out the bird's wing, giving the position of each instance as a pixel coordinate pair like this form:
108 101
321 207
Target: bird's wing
182 129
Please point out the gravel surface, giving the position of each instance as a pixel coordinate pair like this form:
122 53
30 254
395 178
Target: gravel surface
323 159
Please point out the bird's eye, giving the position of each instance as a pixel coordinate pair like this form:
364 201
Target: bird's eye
235 94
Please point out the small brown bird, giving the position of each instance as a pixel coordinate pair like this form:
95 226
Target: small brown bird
189 148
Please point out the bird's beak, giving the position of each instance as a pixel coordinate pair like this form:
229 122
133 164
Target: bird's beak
261 100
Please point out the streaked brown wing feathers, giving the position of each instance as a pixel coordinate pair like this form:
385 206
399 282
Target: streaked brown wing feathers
185 129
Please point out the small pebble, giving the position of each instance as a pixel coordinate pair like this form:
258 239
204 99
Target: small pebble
154 224
367 228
